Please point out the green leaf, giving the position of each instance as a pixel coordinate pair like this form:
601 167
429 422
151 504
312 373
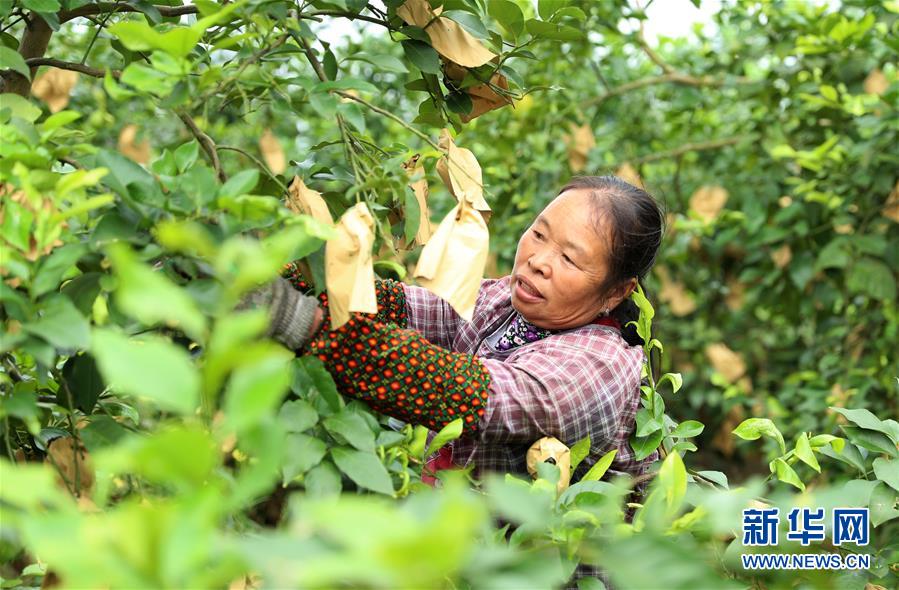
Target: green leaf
83 381
676 379
786 474
240 184
546 8
139 36
887 471
881 504
183 456
411 215
10 59
803 451
545 30
646 423
151 298
310 373
323 480
754 428
302 453
256 389
149 367
19 106
382 61
849 455
871 440
352 428
688 428
865 419
820 440
459 102
508 15
872 277
297 416
61 324
186 155
469 22
422 56
716 477
579 452
41 5
672 478
448 433
645 446
600 467
54 267
365 469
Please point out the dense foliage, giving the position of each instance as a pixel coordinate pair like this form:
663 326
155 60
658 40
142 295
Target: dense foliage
152 438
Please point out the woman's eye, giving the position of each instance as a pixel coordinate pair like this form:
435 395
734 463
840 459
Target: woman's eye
538 235
567 259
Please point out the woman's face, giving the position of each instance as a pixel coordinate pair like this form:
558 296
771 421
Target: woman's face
561 263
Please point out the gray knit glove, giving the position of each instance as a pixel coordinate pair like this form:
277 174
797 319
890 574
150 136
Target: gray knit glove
291 314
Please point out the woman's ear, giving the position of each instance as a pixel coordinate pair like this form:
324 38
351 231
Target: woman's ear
620 293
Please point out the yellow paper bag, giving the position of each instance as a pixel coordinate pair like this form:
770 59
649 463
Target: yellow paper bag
348 266
483 97
551 450
420 188
301 199
447 36
452 263
461 174
579 142
54 87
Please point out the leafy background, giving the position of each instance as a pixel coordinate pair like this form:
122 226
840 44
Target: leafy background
152 439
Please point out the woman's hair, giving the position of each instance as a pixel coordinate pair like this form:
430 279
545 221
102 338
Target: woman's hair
637 222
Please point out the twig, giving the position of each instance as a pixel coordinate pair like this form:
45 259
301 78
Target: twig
349 15
103 7
11 369
206 143
688 147
70 162
258 162
670 78
69 65
650 52
389 115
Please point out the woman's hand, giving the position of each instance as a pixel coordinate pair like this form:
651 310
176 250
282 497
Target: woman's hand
293 317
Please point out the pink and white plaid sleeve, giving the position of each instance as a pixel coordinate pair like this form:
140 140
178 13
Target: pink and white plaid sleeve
431 316
579 384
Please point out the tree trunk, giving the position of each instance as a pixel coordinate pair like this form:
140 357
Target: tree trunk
34 43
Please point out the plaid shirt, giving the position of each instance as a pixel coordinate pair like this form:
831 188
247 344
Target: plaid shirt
579 382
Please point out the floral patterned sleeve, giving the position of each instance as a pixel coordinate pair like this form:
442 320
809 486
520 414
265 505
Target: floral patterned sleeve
395 370
390 294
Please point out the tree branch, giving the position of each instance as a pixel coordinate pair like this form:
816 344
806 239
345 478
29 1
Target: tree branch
103 7
389 115
349 15
687 148
34 43
670 76
206 143
35 62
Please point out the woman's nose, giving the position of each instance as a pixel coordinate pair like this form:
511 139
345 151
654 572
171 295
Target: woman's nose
540 262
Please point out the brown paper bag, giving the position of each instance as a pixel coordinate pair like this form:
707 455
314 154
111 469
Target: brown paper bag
461 173
348 266
447 36
420 188
452 263
551 450
301 199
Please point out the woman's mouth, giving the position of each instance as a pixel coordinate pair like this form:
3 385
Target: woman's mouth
526 292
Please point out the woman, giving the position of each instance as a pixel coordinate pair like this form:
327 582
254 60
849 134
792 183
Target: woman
548 351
